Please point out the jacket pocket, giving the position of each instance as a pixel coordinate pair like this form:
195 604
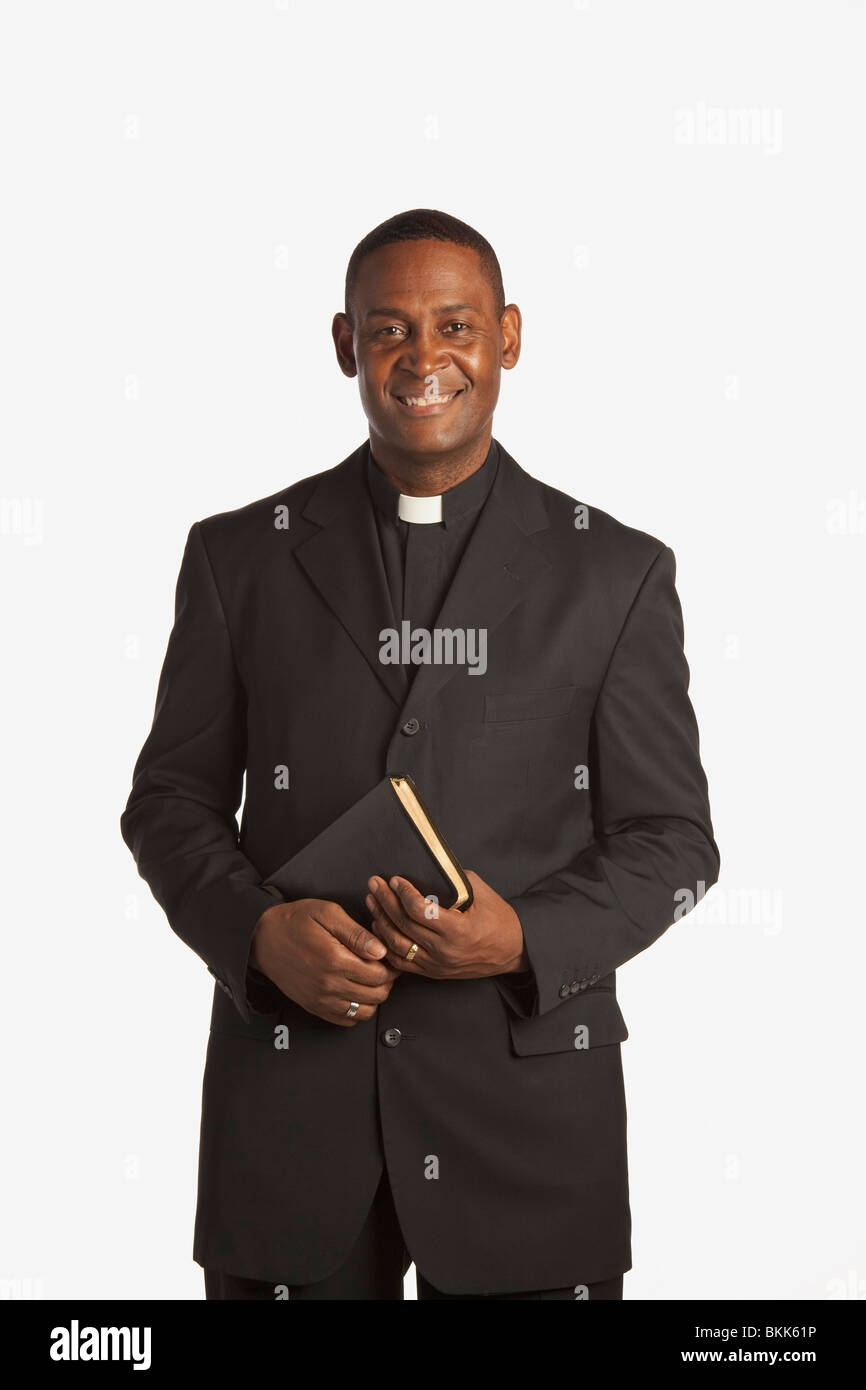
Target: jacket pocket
590 1019
529 704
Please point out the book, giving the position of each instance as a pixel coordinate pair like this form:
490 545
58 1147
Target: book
388 831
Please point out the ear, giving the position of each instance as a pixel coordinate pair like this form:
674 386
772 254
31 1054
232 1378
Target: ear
511 325
341 332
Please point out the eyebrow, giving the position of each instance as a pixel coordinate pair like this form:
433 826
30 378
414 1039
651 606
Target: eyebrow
389 312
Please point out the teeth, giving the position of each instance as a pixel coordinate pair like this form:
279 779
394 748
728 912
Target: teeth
428 400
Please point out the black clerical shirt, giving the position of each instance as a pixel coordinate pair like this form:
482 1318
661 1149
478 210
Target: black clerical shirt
421 557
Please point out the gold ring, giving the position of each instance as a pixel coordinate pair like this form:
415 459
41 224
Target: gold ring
352 1009
412 952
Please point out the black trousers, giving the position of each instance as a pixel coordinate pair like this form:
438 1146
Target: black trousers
375 1268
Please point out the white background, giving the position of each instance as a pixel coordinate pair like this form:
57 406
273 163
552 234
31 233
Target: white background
183 184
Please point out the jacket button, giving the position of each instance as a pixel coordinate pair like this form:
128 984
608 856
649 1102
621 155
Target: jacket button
391 1037
564 991
410 727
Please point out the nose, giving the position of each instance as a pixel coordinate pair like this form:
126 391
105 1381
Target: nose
423 354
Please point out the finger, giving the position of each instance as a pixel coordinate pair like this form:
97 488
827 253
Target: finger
398 945
361 994
386 902
385 975
416 907
339 1013
366 974
418 928
347 931
395 936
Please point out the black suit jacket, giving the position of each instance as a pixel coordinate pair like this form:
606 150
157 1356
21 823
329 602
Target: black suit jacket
513 1086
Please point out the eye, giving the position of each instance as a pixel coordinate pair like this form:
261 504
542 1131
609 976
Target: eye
457 324
391 326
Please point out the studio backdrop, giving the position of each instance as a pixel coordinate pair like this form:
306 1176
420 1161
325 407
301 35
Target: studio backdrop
673 194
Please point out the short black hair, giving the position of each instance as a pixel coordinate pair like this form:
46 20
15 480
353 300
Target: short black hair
426 224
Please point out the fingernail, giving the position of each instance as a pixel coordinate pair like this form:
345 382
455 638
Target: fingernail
375 947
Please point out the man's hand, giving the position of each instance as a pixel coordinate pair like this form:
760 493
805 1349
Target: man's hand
486 939
317 955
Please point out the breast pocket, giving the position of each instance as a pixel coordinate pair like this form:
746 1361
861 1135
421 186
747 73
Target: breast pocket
514 706
591 1019
523 736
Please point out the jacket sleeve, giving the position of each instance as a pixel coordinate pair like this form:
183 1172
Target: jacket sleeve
653 844
179 821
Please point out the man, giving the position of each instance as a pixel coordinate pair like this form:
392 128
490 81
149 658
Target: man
428 1085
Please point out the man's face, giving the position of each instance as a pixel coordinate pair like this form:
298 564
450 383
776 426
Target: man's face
427 347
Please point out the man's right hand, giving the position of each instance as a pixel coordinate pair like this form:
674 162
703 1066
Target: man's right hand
317 955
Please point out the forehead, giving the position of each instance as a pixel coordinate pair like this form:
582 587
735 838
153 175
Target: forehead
415 274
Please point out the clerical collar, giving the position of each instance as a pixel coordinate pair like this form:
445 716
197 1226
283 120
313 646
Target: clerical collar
466 496
419 509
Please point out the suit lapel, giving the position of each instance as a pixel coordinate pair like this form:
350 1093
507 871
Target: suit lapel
496 570
344 562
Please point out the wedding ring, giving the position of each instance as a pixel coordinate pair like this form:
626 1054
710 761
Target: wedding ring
412 952
352 1010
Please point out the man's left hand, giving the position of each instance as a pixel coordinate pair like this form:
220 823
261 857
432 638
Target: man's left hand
486 939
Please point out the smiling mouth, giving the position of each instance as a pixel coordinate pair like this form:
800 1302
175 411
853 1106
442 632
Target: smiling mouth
427 405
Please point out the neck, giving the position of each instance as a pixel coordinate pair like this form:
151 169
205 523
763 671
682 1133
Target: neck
428 475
